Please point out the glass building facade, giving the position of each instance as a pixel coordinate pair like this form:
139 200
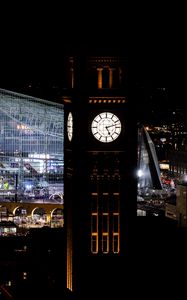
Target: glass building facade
31 148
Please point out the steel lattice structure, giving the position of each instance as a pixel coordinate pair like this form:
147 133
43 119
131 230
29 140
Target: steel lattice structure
39 115
31 140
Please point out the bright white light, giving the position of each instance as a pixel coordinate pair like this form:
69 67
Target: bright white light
28 187
139 173
163 140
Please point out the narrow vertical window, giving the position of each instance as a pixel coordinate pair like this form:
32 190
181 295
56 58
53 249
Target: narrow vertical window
94 233
94 202
100 79
105 232
105 243
106 78
94 244
116 233
72 78
116 223
116 243
115 203
111 78
94 223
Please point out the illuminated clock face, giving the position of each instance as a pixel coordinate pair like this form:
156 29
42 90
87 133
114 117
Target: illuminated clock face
70 126
106 127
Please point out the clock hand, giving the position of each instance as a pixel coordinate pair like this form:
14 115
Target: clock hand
110 126
107 129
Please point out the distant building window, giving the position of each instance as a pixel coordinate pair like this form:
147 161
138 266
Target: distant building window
24 275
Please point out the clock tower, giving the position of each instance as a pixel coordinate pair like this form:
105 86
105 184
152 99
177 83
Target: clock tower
100 162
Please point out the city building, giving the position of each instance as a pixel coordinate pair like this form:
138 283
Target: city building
149 176
31 158
7 228
178 164
176 205
181 205
97 128
100 138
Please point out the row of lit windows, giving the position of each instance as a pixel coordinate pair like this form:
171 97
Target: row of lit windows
105 218
179 169
101 73
105 243
101 101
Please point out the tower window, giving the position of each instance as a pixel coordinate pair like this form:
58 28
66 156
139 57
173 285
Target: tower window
105 233
94 243
94 222
99 78
105 243
105 202
94 202
116 243
116 223
115 202
94 233
92 80
105 223
116 233
105 77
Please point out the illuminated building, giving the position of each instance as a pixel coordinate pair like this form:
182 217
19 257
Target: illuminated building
100 161
31 147
148 166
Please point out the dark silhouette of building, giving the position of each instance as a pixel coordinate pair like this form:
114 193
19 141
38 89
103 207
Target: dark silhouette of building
108 246
100 170
33 265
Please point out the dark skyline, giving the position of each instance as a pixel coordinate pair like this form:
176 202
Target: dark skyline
34 43
39 57
41 63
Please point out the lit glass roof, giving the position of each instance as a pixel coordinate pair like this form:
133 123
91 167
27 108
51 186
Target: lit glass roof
41 116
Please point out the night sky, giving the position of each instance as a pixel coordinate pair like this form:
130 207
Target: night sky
35 40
